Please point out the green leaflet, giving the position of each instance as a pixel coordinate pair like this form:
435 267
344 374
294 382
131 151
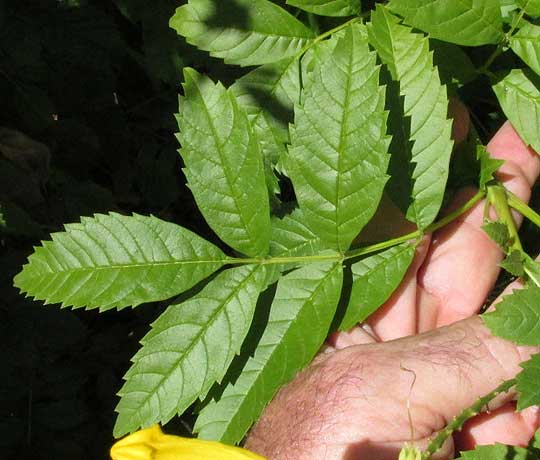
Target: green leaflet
305 300
337 160
464 22
410 63
498 452
526 44
244 32
328 7
517 317
488 166
189 348
375 278
268 94
513 263
498 232
531 7
291 237
519 97
224 167
527 383
116 261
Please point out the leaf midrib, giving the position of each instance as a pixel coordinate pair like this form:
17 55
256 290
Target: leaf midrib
219 147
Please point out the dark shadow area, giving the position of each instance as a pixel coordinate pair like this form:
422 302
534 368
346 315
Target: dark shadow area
399 187
262 312
366 450
232 13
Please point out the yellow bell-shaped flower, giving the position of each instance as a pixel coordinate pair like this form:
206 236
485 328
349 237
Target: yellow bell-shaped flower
153 444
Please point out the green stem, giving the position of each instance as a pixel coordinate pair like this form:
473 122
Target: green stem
327 34
498 197
366 249
418 233
500 47
521 207
516 23
457 422
485 68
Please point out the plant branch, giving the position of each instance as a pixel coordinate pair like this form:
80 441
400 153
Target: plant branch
498 197
366 249
326 35
457 422
417 233
515 203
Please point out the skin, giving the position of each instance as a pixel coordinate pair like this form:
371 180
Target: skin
351 402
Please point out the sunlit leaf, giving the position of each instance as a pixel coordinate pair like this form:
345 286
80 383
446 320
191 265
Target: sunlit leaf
223 165
517 317
488 166
496 452
338 155
425 106
189 348
116 261
519 97
498 232
465 22
328 7
513 263
268 94
526 44
374 280
527 383
531 7
244 32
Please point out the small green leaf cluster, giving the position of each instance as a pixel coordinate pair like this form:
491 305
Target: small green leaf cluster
347 116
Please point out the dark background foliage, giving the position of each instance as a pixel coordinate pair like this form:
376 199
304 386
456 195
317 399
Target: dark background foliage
88 90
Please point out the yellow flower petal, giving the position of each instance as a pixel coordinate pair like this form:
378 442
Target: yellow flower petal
153 444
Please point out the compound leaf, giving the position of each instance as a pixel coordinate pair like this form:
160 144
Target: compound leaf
496 452
328 7
527 383
517 317
244 32
116 261
268 94
306 299
374 280
410 62
520 100
465 22
224 166
338 155
188 349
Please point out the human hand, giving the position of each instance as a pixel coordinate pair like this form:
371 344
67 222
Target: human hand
351 403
